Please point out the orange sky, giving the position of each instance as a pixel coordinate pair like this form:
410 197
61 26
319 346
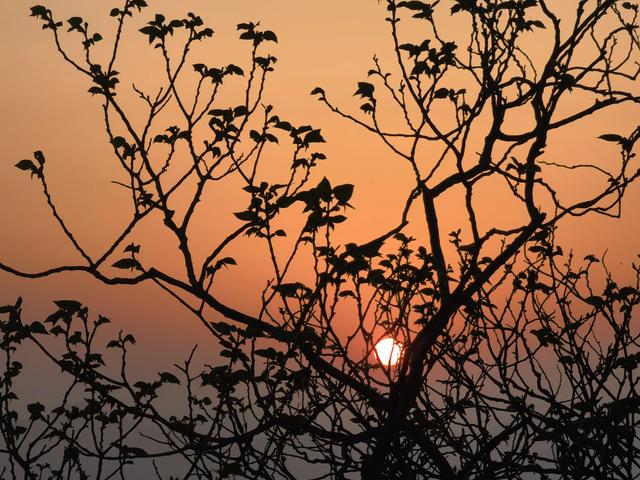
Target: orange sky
329 43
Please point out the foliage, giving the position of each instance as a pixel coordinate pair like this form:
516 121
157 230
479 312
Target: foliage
516 363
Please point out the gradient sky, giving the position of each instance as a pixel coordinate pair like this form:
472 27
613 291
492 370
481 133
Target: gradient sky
327 43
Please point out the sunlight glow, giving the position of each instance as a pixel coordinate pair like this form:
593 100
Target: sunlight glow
388 351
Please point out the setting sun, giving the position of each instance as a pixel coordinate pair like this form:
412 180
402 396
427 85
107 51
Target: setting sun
388 351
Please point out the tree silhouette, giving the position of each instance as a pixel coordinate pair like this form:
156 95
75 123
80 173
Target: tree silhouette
516 361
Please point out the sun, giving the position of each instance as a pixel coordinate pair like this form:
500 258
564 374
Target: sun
388 351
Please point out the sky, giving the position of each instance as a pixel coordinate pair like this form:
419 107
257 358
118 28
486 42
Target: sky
330 44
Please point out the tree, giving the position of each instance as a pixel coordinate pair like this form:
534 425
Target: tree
516 362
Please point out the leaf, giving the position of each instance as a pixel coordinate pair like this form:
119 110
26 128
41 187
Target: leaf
612 137
222 327
39 11
285 202
167 377
39 156
367 108
537 23
284 126
412 5
255 136
133 248
226 261
75 338
626 291
365 90
343 193
424 10
75 23
68 305
26 165
246 216
313 136
151 31
269 36
289 289
37 327
269 353
240 111
57 330
114 12
234 70
324 189
545 336
133 451
412 49
35 409
223 262
126 264
594 301
441 93
317 91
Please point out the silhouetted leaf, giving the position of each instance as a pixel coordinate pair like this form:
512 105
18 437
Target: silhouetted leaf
75 338
611 137
35 410
324 189
71 306
26 165
536 23
289 289
441 93
39 156
222 327
246 216
133 248
269 353
594 301
269 36
76 23
37 327
126 264
57 330
313 136
226 261
133 451
167 377
39 11
365 90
